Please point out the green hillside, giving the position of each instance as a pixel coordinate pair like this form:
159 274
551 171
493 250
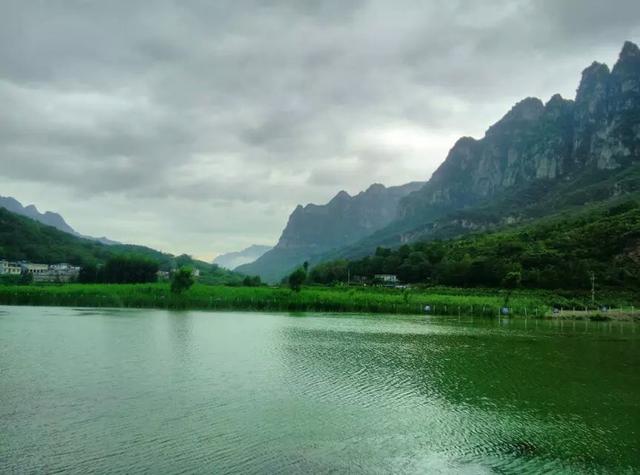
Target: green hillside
558 252
22 238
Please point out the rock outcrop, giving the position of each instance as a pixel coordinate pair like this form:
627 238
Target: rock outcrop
600 130
316 229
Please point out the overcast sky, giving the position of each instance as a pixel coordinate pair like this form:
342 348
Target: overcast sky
197 126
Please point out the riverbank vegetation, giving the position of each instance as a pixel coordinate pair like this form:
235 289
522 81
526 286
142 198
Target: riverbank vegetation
564 252
441 300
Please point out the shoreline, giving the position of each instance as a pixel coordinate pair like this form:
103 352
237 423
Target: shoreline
488 303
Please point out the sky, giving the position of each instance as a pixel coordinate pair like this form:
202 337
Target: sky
197 126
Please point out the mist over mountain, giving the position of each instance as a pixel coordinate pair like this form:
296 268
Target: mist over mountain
231 260
538 159
48 217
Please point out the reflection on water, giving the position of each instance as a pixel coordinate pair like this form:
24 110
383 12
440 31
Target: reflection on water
137 390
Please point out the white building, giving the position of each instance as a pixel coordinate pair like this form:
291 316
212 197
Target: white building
10 268
41 272
35 269
386 278
57 273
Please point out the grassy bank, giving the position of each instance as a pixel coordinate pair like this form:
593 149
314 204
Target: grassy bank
443 301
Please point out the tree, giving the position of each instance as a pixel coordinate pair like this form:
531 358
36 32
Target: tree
252 281
88 274
511 282
26 278
296 279
182 280
129 270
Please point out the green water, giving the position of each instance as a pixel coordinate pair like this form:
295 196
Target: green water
132 391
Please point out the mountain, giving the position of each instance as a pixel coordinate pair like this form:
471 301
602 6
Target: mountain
563 251
537 160
231 260
316 229
600 130
49 218
23 238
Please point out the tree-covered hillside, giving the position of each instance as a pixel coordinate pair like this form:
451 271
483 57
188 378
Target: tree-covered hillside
560 252
22 238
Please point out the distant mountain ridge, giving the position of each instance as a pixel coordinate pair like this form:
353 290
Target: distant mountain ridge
315 229
49 218
538 159
231 260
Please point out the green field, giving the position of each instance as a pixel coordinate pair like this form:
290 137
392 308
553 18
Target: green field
443 301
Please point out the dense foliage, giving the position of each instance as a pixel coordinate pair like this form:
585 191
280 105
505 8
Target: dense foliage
252 281
121 270
297 278
182 280
22 238
559 252
443 301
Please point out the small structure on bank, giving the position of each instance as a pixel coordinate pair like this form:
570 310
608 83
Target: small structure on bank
61 272
386 279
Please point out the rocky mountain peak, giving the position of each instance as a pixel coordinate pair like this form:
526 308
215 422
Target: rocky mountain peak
599 130
317 228
557 107
627 68
376 188
593 83
556 101
341 197
629 50
522 113
529 108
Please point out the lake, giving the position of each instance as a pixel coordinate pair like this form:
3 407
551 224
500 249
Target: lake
132 391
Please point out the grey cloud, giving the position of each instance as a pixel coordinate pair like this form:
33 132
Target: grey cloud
225 106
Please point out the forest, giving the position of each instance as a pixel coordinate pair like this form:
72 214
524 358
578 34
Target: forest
563 252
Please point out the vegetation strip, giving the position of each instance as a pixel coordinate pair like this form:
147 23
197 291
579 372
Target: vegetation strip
441 301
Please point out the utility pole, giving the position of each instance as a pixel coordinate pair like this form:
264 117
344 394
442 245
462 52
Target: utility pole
593 288
348 277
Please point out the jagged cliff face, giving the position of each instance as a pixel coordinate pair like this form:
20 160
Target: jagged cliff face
599 130
314 229
344 219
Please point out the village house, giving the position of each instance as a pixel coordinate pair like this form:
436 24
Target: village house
62 272
10 268
164 275
386 279
58 273
34 269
